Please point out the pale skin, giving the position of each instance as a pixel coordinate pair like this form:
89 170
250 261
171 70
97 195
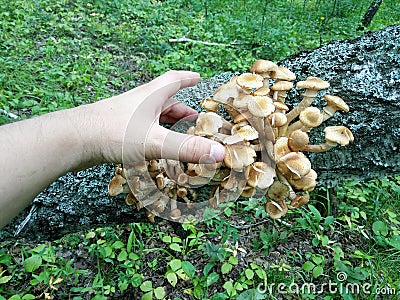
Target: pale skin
37 151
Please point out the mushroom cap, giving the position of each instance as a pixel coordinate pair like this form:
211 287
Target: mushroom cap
262 91
159 205
305 183
209 105
282 85
298 140
335 103
225 92
117 185
277 119
250 81
262 106
239 156
130 199
241 133
283 73
294 165
261 175
175 214
281 147
313 83
281 106
276 209
208 123
263 67
338 134
248 192
299 201
242 100
311 117
278 191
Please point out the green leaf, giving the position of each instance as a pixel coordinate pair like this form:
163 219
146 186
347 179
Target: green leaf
148 296
252 294
249 274
122 256
212 278
175 247
380 228
130 242
172 279
175 264
188 268
308 266
328 221
317 271
159 292
208 267
32 263
233 260
315 212
136 280
167 239
28 297
226 268
146 286
123 285
5 279
394 241
118 245
318 259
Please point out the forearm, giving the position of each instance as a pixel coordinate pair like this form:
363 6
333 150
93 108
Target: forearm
37 151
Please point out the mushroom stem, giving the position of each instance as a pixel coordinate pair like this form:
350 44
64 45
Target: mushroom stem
294 113
320 147
283 179
295 126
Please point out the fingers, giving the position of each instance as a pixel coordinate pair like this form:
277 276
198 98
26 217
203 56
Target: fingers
164 143
171 82
174 110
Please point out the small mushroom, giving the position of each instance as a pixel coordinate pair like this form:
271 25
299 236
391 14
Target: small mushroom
208 123
305 183
265 68
130 199
261 175
262 106
280 88
278 191
250 82
118 185
209 105
309 118
248 192
299 201
312 86
241 133
160 204
294 165
175 213
226 92
298 140
239 156
281 147
333 135
334 104
276 209
283 73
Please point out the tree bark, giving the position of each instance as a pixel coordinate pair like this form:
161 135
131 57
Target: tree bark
370 13
364 71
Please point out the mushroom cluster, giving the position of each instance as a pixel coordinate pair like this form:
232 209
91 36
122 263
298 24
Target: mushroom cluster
265 143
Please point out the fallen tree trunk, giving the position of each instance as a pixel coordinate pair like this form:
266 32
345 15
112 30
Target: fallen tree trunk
364 71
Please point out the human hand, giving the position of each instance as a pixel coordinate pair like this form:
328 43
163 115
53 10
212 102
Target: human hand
126 128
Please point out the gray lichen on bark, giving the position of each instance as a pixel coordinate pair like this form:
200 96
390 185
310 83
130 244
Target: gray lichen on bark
364 71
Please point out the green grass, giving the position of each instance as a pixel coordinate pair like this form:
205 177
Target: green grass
60 54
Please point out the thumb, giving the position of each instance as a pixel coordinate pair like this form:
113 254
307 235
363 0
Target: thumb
184 147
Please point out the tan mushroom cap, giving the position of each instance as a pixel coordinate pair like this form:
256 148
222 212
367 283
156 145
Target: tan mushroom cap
299 201
277 119
281 106
262 106
209 105
175 214
305 183
298 140
208 123
248 192
294 165
226 92
312 85
283 73
338 134
276 209
281 147
311 117
278 191
250 81
241 133
334 103
118 185
239 156
261 175
264 68
242 100
282 85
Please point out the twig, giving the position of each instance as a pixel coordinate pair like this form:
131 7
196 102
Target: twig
11 115
188 40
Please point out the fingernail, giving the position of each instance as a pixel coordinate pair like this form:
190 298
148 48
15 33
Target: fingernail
217 152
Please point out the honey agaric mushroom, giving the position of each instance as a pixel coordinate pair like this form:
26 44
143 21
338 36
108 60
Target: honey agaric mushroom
265 68
294 165
276 209
239 156
250 82
305 183
261 175
209 105
312 86
333 135
298 140
309 118
263 148
280 88
208 123
334 104
262 106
